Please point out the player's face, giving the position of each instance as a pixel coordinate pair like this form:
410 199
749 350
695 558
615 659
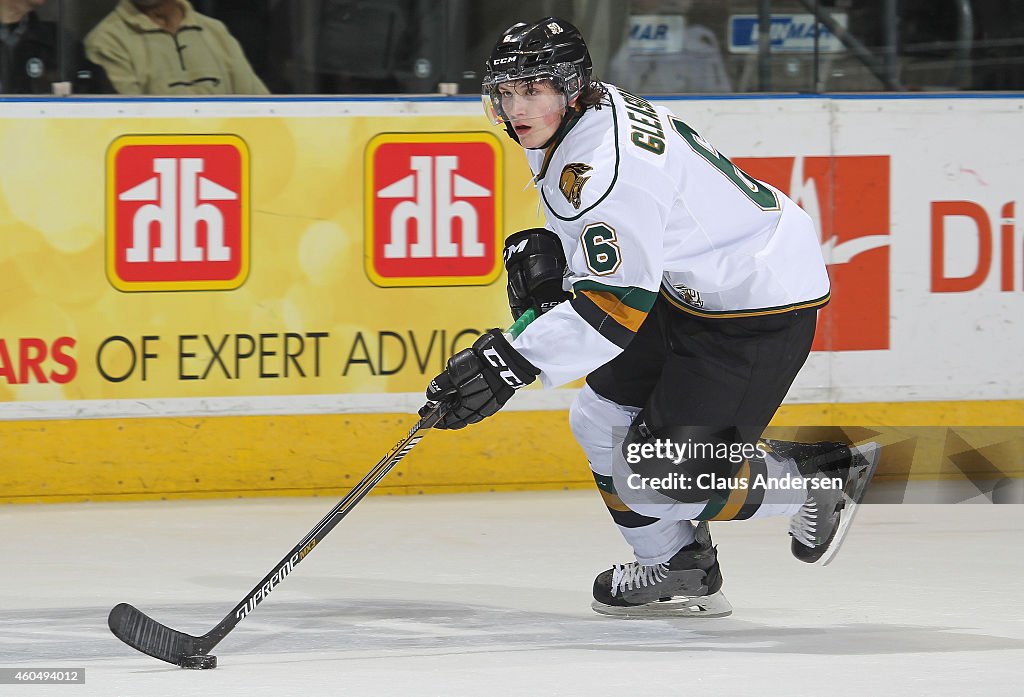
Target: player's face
534 109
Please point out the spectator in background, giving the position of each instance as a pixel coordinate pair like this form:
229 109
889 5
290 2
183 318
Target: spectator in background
30 54
663 53
166 47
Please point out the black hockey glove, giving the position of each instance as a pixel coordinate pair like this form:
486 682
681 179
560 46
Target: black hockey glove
536 265
478 381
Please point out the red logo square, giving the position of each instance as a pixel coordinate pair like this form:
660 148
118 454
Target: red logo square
177 212
433 209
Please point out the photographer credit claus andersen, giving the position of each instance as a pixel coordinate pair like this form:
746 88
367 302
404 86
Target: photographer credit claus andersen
678 452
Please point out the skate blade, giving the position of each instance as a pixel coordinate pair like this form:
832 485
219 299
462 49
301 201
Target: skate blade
680 607
855 490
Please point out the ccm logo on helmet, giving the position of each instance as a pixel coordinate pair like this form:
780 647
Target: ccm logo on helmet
502 61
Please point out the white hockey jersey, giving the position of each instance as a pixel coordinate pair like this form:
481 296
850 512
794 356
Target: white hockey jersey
642 204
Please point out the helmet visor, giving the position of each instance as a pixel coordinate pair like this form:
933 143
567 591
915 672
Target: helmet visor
523 100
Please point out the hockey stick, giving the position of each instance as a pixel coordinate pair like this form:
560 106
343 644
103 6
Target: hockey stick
143 633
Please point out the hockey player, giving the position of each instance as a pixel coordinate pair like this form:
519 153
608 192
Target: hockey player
694 295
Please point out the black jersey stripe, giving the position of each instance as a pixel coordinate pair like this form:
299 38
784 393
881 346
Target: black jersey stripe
756 312
600 320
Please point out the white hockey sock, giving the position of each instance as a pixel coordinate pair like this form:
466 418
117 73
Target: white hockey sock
658 542
783 496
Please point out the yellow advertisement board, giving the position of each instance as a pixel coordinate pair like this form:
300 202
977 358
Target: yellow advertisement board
234 297
171 257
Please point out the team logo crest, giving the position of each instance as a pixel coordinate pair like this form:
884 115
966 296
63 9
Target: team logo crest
572 180
689 296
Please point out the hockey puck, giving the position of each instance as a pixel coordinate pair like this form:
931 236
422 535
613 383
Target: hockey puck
198 662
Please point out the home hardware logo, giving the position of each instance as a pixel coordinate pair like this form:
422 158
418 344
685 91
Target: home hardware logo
177 212
433 205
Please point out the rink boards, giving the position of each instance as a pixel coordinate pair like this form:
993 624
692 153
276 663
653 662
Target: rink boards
231 297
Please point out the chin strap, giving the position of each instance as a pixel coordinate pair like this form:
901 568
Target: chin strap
511 131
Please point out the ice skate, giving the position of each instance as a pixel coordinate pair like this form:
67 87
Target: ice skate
819 527
687 585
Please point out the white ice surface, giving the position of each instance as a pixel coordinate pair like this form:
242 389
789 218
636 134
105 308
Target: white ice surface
486 595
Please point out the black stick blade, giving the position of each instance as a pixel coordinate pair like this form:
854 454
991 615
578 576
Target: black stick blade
143 633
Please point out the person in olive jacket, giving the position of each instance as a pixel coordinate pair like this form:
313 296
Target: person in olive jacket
165 47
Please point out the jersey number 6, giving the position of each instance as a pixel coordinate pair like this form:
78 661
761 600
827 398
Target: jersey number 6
602 252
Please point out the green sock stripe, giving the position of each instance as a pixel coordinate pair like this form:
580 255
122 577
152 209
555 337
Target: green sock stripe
714 507
604 483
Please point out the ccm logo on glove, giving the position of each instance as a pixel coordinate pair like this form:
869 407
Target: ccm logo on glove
478 381
507 375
